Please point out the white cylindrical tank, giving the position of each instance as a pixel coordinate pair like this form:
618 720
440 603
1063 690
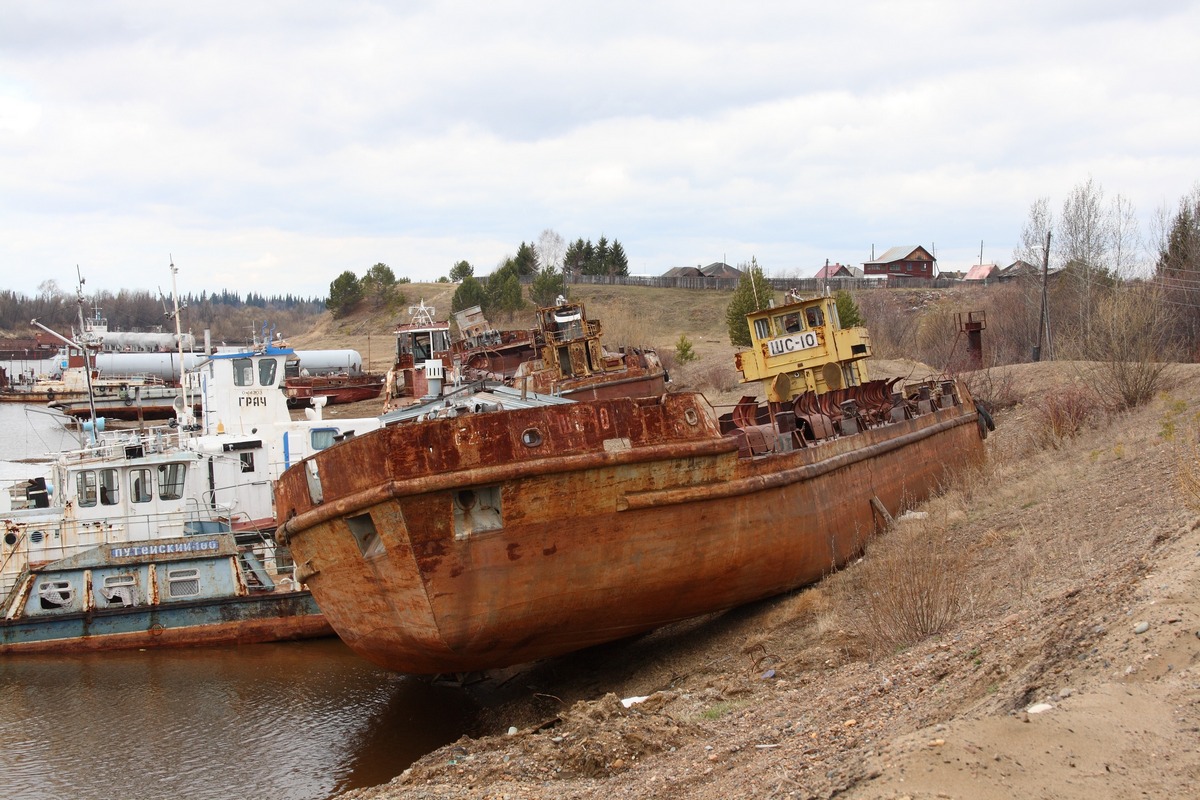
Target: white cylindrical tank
319 362
146 341
166 365
159 365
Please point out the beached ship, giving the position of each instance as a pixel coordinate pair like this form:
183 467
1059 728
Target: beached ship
336 389
562 354
162 537
483 540
422 354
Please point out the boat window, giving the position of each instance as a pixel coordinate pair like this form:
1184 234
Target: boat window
320 438
422 351
789 323
814 316
85 488
183 582
110 488
170 481
835 319
139 485
762 329
56 594
243 372
266 372
118 590
247 461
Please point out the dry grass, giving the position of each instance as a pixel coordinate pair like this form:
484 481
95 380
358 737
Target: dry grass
911 585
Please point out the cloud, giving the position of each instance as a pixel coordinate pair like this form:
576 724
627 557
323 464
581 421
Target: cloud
274 145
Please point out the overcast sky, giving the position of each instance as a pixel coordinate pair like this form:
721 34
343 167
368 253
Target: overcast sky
268 146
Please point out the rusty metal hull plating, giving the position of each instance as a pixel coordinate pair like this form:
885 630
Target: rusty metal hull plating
497 539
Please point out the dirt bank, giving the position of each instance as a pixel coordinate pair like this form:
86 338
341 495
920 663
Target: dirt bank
1071 672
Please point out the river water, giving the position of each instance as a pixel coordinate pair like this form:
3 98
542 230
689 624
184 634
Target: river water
294 721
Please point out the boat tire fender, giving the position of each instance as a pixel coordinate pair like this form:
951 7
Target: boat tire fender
50 395
986 423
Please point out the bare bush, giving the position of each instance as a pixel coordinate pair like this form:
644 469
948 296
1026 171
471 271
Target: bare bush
893 327
1064 413
994 387
912 585
1013 310
939 344
718 377
1133 337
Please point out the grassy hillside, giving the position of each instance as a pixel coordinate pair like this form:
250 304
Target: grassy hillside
635 315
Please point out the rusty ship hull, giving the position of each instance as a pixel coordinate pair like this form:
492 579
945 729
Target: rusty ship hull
497 539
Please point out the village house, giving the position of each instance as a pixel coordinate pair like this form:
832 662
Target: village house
900 263
837 271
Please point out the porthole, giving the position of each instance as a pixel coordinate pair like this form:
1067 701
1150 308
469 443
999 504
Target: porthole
531 437
10 538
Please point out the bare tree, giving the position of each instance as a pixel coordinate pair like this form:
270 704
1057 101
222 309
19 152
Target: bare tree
1126 239
1083 244
1033 235
550 247
1032 250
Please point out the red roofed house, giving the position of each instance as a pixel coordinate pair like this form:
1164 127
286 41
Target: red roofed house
837 271
903 262
982 273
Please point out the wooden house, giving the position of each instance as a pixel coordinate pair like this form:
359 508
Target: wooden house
900 263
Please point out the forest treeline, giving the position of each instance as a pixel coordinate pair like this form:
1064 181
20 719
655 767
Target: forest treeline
228 315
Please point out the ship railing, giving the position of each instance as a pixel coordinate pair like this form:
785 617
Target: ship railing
128 444
572 330
812 418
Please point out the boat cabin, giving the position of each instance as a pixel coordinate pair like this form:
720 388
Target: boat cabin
422 354
800 347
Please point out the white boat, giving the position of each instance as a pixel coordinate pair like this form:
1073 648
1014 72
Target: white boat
162 537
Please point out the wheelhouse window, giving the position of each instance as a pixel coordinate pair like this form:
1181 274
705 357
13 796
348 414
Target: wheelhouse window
85 488
183 582
139 485
243 372
266 371
170 481
762 329
110 487
247 460
788 323
422 348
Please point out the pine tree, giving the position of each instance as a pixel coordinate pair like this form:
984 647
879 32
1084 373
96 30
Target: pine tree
618 262
753 293
848 313
547 287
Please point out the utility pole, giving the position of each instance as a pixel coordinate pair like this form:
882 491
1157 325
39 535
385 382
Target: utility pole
1044 320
